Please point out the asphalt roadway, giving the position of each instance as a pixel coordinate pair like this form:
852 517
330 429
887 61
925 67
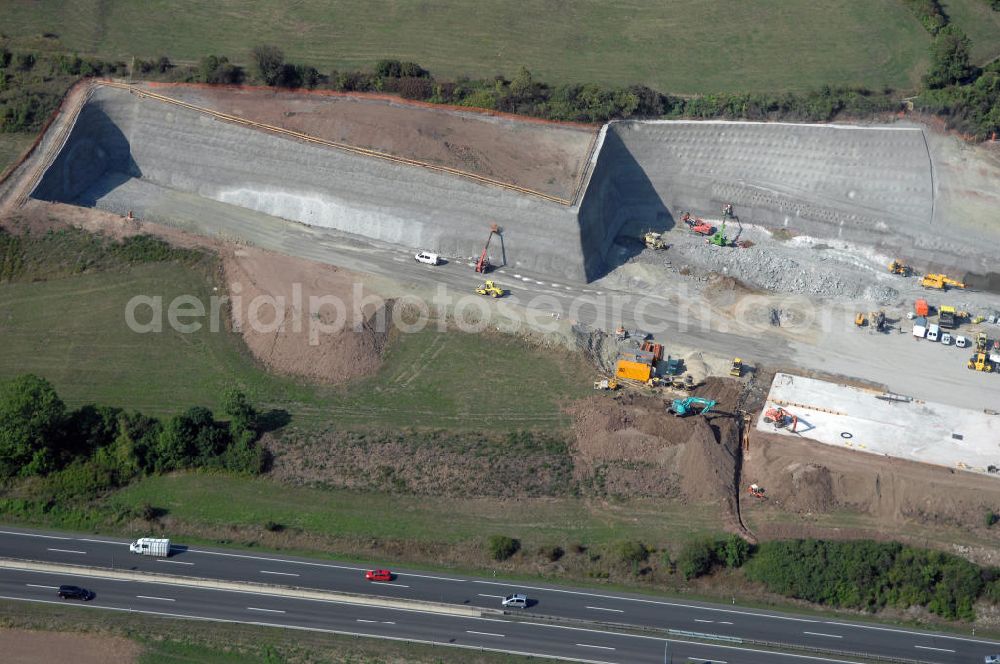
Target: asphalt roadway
587 638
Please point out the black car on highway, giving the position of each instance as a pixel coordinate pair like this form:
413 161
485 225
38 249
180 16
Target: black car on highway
74 592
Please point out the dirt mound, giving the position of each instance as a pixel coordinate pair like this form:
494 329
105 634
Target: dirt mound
21 646
629 444
306 319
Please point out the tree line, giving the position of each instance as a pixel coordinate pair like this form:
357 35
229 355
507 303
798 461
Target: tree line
104 447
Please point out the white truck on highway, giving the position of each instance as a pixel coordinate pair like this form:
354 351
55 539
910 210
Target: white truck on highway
150 546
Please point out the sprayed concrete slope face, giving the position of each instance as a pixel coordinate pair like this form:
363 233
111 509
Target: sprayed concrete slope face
872 184
119 137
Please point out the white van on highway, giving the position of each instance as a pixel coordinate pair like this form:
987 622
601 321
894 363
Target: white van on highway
428 258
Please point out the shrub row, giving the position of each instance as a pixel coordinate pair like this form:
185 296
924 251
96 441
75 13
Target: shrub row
929 12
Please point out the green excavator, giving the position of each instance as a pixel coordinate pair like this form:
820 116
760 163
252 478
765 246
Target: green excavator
720 239
684 407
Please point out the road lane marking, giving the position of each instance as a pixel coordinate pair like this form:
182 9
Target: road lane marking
703 621
427 576
276 560
832 636
35 585
67 551
469 631
388 622
96 541
264 571
161 599
10 532
491 596
366 621
254 608
701 660
653 602
173 562
389 583
587 645
913 633
601 608
725 622
930 648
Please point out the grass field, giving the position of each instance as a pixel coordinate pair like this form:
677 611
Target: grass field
681 46
72 331
220 501
981 23
11 147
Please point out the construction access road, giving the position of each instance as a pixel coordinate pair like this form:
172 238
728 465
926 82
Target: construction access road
826 342
561 622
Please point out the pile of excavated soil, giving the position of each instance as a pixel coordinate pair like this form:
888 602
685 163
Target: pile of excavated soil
629 444
897 496
279 303
545 157
21 646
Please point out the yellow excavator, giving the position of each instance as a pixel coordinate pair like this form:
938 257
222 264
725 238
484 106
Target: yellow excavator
940 282
979 362
490 288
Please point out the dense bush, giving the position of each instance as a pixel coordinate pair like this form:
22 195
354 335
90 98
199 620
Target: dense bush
632 552
97 447
950 61
217 69
870 575
930 14
502 547
700 557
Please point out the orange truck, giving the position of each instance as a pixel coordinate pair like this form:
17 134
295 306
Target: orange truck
921 308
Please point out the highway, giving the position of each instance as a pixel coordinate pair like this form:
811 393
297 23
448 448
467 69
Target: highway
587 609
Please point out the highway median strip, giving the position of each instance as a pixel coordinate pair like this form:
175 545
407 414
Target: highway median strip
247 586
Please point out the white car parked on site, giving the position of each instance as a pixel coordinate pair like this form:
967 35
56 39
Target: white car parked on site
427 257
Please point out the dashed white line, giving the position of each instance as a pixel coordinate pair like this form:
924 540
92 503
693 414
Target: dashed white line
469 631
703 621
97 541
832 636
601 608
587 645
388 622
10 532
701 660
173 562
391 585
491 596
253 608
264 571
67 551
35 585
159 599
366 621
725 622
931 648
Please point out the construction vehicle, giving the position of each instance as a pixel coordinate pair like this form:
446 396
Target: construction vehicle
685 407
737 368
947 317
756 491
921 307
981 342
781 418
859 320
606 384
876 321
920 327
940 282
896 267
979 362
654 240
697 225
490 288
621 334
719 239
483 265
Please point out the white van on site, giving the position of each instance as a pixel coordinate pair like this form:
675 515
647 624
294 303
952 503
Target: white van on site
517 601
961 341
427 257
933 332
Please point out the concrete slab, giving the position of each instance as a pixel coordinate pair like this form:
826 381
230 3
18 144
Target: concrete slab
887 424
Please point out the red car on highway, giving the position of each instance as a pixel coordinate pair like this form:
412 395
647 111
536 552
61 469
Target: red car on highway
382 575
